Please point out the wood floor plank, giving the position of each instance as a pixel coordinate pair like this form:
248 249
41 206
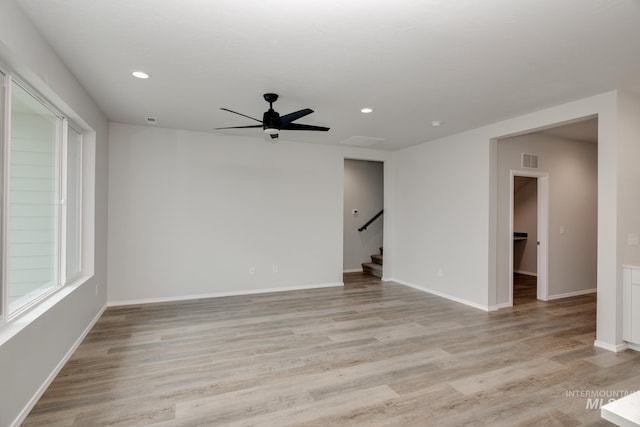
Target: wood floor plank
371 353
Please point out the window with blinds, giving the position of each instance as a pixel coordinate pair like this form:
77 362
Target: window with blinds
33 216
42 207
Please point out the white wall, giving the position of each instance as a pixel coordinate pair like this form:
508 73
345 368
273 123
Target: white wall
628 202
441 226
363 190
525 220
191 213
435 229
573 203
32 348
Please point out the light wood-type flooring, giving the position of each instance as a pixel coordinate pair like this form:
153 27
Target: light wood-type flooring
372 354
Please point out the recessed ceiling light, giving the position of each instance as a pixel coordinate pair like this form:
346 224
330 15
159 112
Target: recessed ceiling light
366 110
436 123
140 74
152 120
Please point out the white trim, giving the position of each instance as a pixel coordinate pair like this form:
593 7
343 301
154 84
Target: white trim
499 306
572 294
222 294
543 237
88 191
38 394
4 207
79 202
606 346
632 346
444 295
526 273
353 270
62 197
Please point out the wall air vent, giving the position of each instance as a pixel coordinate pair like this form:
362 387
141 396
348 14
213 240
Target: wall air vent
529 161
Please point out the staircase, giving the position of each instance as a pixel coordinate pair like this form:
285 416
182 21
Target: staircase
374 267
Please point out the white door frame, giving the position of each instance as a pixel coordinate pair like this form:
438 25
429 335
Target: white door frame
543 232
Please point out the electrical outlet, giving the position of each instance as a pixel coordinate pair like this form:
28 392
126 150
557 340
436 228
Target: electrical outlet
252 270
275 268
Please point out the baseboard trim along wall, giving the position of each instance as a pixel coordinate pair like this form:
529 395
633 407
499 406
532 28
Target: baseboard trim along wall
606 346
223 294
633 347
443 295
526 273
36 397
353 270
571 294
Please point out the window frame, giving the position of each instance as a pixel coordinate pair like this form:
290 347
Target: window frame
5 100
62 132
67 279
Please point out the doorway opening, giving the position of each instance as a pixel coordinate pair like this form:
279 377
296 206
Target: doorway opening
563 163
529 219
363 217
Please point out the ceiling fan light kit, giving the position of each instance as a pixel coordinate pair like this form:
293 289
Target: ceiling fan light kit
272 123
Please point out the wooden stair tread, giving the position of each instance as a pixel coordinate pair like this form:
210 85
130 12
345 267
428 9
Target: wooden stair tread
372 268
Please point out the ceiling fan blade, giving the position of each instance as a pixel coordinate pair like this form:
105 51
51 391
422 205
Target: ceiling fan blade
296 126
240 127
288 118
240 114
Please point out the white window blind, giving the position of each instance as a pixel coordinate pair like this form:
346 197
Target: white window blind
33 200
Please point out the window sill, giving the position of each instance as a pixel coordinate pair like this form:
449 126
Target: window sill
12 327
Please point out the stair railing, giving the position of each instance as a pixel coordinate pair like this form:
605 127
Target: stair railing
376 216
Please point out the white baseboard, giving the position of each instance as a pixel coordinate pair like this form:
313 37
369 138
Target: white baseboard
632 346
611 347
571 294
222 294
353 270
527 273
443 295
36 397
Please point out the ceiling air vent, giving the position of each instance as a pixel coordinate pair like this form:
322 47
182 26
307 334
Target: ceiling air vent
362 141
529 161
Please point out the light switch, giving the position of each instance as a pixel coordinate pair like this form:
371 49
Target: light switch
633 239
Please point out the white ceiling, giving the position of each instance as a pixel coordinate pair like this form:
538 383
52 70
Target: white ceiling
464 62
